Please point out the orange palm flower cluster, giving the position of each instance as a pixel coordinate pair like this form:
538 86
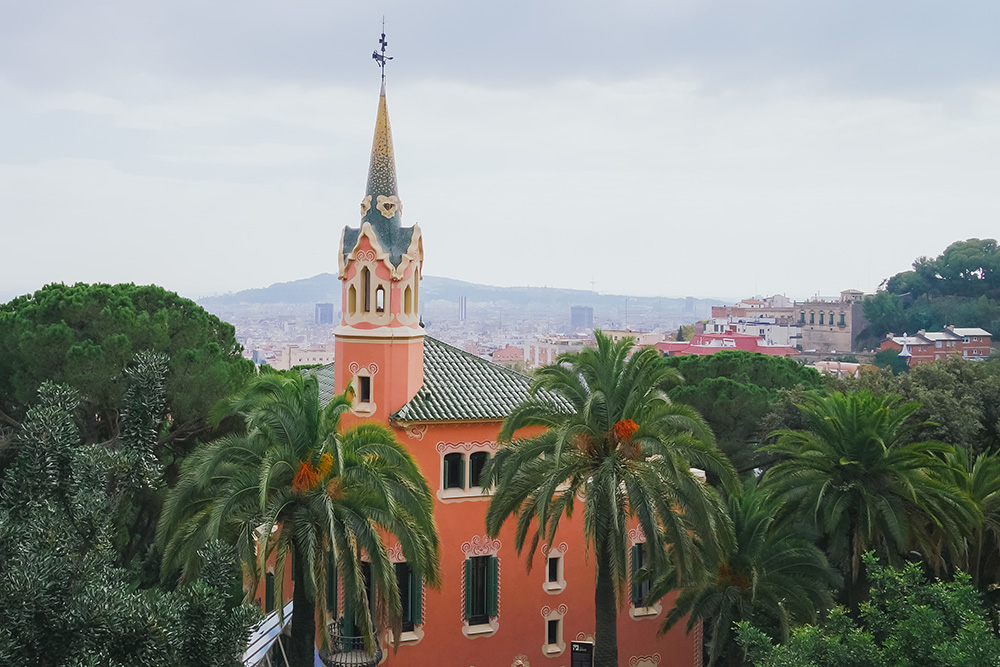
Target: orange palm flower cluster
623 430
306 478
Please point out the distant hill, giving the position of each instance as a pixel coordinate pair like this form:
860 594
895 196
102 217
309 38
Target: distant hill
325 288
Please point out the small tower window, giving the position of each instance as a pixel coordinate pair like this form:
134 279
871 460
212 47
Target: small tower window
408 300
352 300
366 287
552 632
380 299
553 573
365 389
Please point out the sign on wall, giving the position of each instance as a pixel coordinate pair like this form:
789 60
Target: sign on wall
581 654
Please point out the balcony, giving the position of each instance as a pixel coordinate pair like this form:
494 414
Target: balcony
348 651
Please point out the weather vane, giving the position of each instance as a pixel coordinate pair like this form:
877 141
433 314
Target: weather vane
380 58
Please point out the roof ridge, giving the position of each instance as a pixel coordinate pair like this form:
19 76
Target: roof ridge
492 365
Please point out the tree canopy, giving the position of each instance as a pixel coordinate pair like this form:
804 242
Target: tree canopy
85 335
961 286
909 622
739 394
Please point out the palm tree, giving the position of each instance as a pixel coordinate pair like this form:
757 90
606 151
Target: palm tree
856 476
612 439
979 478
292 484
772 577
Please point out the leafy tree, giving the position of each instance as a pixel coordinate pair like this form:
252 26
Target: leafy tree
739 394
891 361
62 599
858 477
614 440
86 335
294 476
908 623
772 577
979 478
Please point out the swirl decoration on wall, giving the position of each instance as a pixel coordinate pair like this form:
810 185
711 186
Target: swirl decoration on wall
647 659
365 255
637 535
355 367
481 546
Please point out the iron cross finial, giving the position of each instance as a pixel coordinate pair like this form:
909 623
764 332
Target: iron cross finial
381 58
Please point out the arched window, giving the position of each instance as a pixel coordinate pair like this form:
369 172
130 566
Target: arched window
408 300
366 287
352 300
379 299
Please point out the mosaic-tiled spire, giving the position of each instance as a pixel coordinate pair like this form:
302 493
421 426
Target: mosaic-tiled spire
382 196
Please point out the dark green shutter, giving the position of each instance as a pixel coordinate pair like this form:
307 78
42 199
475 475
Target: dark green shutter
461 472
636 564
416 598
331 584
268 592
492 586
468 588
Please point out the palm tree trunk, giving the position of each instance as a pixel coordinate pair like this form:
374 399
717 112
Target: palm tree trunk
302 644
605 613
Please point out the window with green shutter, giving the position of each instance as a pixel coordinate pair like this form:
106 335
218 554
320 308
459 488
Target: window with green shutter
410 596
640 583
481 589
454 471
269 592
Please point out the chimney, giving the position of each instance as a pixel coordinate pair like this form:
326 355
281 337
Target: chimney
950 327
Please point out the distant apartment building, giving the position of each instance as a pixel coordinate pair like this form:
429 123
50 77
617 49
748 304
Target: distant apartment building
544 349
581 319
821 324
831 324
641 338
325 313
972 344
293 355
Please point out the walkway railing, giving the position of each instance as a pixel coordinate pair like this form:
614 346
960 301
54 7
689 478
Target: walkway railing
349 651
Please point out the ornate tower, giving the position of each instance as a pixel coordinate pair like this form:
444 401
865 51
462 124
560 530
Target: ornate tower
380 343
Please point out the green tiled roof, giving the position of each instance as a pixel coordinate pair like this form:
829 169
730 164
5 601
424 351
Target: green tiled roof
458 386
325 376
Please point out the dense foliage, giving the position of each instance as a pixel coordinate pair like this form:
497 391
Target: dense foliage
743 396
293 475
63 601
85 336
961 286
909 622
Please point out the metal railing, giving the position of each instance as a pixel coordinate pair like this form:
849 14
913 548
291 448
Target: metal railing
347 650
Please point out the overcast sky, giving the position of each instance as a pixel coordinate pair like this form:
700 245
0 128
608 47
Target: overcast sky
673 147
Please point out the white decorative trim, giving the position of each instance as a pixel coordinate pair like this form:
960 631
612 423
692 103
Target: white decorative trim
558 586
395 553
481 546
472 445
644 660
557 614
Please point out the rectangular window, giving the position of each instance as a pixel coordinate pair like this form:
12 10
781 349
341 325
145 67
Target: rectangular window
842 322
365 389
640 580
481 594
803 317
553 573
821 318
812 318
269 592
410 596
552 632
331 584
454 471
477 461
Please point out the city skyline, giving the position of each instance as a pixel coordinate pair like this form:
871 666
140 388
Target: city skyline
733 148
